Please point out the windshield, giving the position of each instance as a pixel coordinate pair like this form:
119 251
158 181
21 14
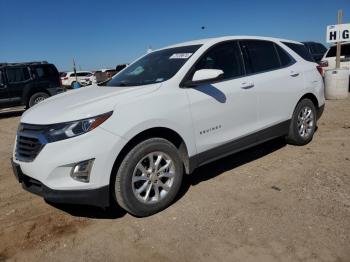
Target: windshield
155 67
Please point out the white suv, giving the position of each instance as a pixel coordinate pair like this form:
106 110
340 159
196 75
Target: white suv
166 114
84 78
328 60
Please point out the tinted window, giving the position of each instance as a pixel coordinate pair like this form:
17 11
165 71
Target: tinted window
155 67
17 74
345 51
260 56
285 58
84 74
314 49
225 56
1 80
321 48
46 72
301 50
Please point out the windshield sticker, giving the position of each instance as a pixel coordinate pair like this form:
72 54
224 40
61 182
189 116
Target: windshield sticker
180 56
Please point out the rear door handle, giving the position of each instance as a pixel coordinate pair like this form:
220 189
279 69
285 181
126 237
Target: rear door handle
294 74
247 85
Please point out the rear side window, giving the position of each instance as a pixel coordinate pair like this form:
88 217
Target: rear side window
285 58
321 48
260 56
225 56
15 75
301 50
345 51
84 74
45 72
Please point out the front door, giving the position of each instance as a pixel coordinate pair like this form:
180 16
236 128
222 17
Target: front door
227 110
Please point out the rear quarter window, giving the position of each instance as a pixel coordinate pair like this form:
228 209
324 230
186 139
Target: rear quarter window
45 72
301 50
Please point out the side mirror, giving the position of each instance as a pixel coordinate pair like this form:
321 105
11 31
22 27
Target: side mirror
203 76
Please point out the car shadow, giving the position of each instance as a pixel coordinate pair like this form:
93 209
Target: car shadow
203 173
212 91
90 211
9 114
230 162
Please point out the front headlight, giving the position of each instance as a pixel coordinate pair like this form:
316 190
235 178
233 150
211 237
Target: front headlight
66 130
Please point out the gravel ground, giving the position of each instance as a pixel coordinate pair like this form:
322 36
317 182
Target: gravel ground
274 202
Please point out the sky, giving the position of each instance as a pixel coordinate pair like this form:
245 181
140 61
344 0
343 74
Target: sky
102 34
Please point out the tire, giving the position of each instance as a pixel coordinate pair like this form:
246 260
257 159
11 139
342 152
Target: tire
134 176
303 123
37 98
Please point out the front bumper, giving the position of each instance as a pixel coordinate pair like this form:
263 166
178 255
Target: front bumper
94 197
48 175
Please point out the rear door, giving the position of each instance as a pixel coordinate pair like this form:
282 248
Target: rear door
46 76
4 96
18 82
275 76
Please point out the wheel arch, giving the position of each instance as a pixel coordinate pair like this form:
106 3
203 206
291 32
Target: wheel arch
161 132
29 93
312 97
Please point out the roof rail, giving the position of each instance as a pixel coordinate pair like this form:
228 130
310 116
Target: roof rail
23 63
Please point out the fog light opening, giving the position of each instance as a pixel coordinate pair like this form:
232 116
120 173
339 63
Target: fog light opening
81 171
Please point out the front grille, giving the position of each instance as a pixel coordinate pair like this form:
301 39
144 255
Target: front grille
30 141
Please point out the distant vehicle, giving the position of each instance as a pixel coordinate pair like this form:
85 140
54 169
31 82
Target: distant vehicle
317 50
171 111
120 67
104 74
84 78
26 84
328 60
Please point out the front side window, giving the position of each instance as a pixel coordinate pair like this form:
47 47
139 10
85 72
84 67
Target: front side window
301 50
15 75
260 56
226 57
155 67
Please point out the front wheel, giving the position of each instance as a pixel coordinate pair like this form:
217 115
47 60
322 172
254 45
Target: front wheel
37 98
149 177
303 123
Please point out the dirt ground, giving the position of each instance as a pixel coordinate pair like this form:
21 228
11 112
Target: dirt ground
274 202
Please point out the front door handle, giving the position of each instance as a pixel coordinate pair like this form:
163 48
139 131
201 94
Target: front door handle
247 85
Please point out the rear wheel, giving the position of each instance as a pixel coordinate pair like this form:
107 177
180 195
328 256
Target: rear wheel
37 98
149 177
303 123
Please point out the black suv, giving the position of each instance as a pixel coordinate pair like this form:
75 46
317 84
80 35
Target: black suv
317 50
26 84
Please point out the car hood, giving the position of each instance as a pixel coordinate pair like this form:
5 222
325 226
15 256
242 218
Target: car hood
82 103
